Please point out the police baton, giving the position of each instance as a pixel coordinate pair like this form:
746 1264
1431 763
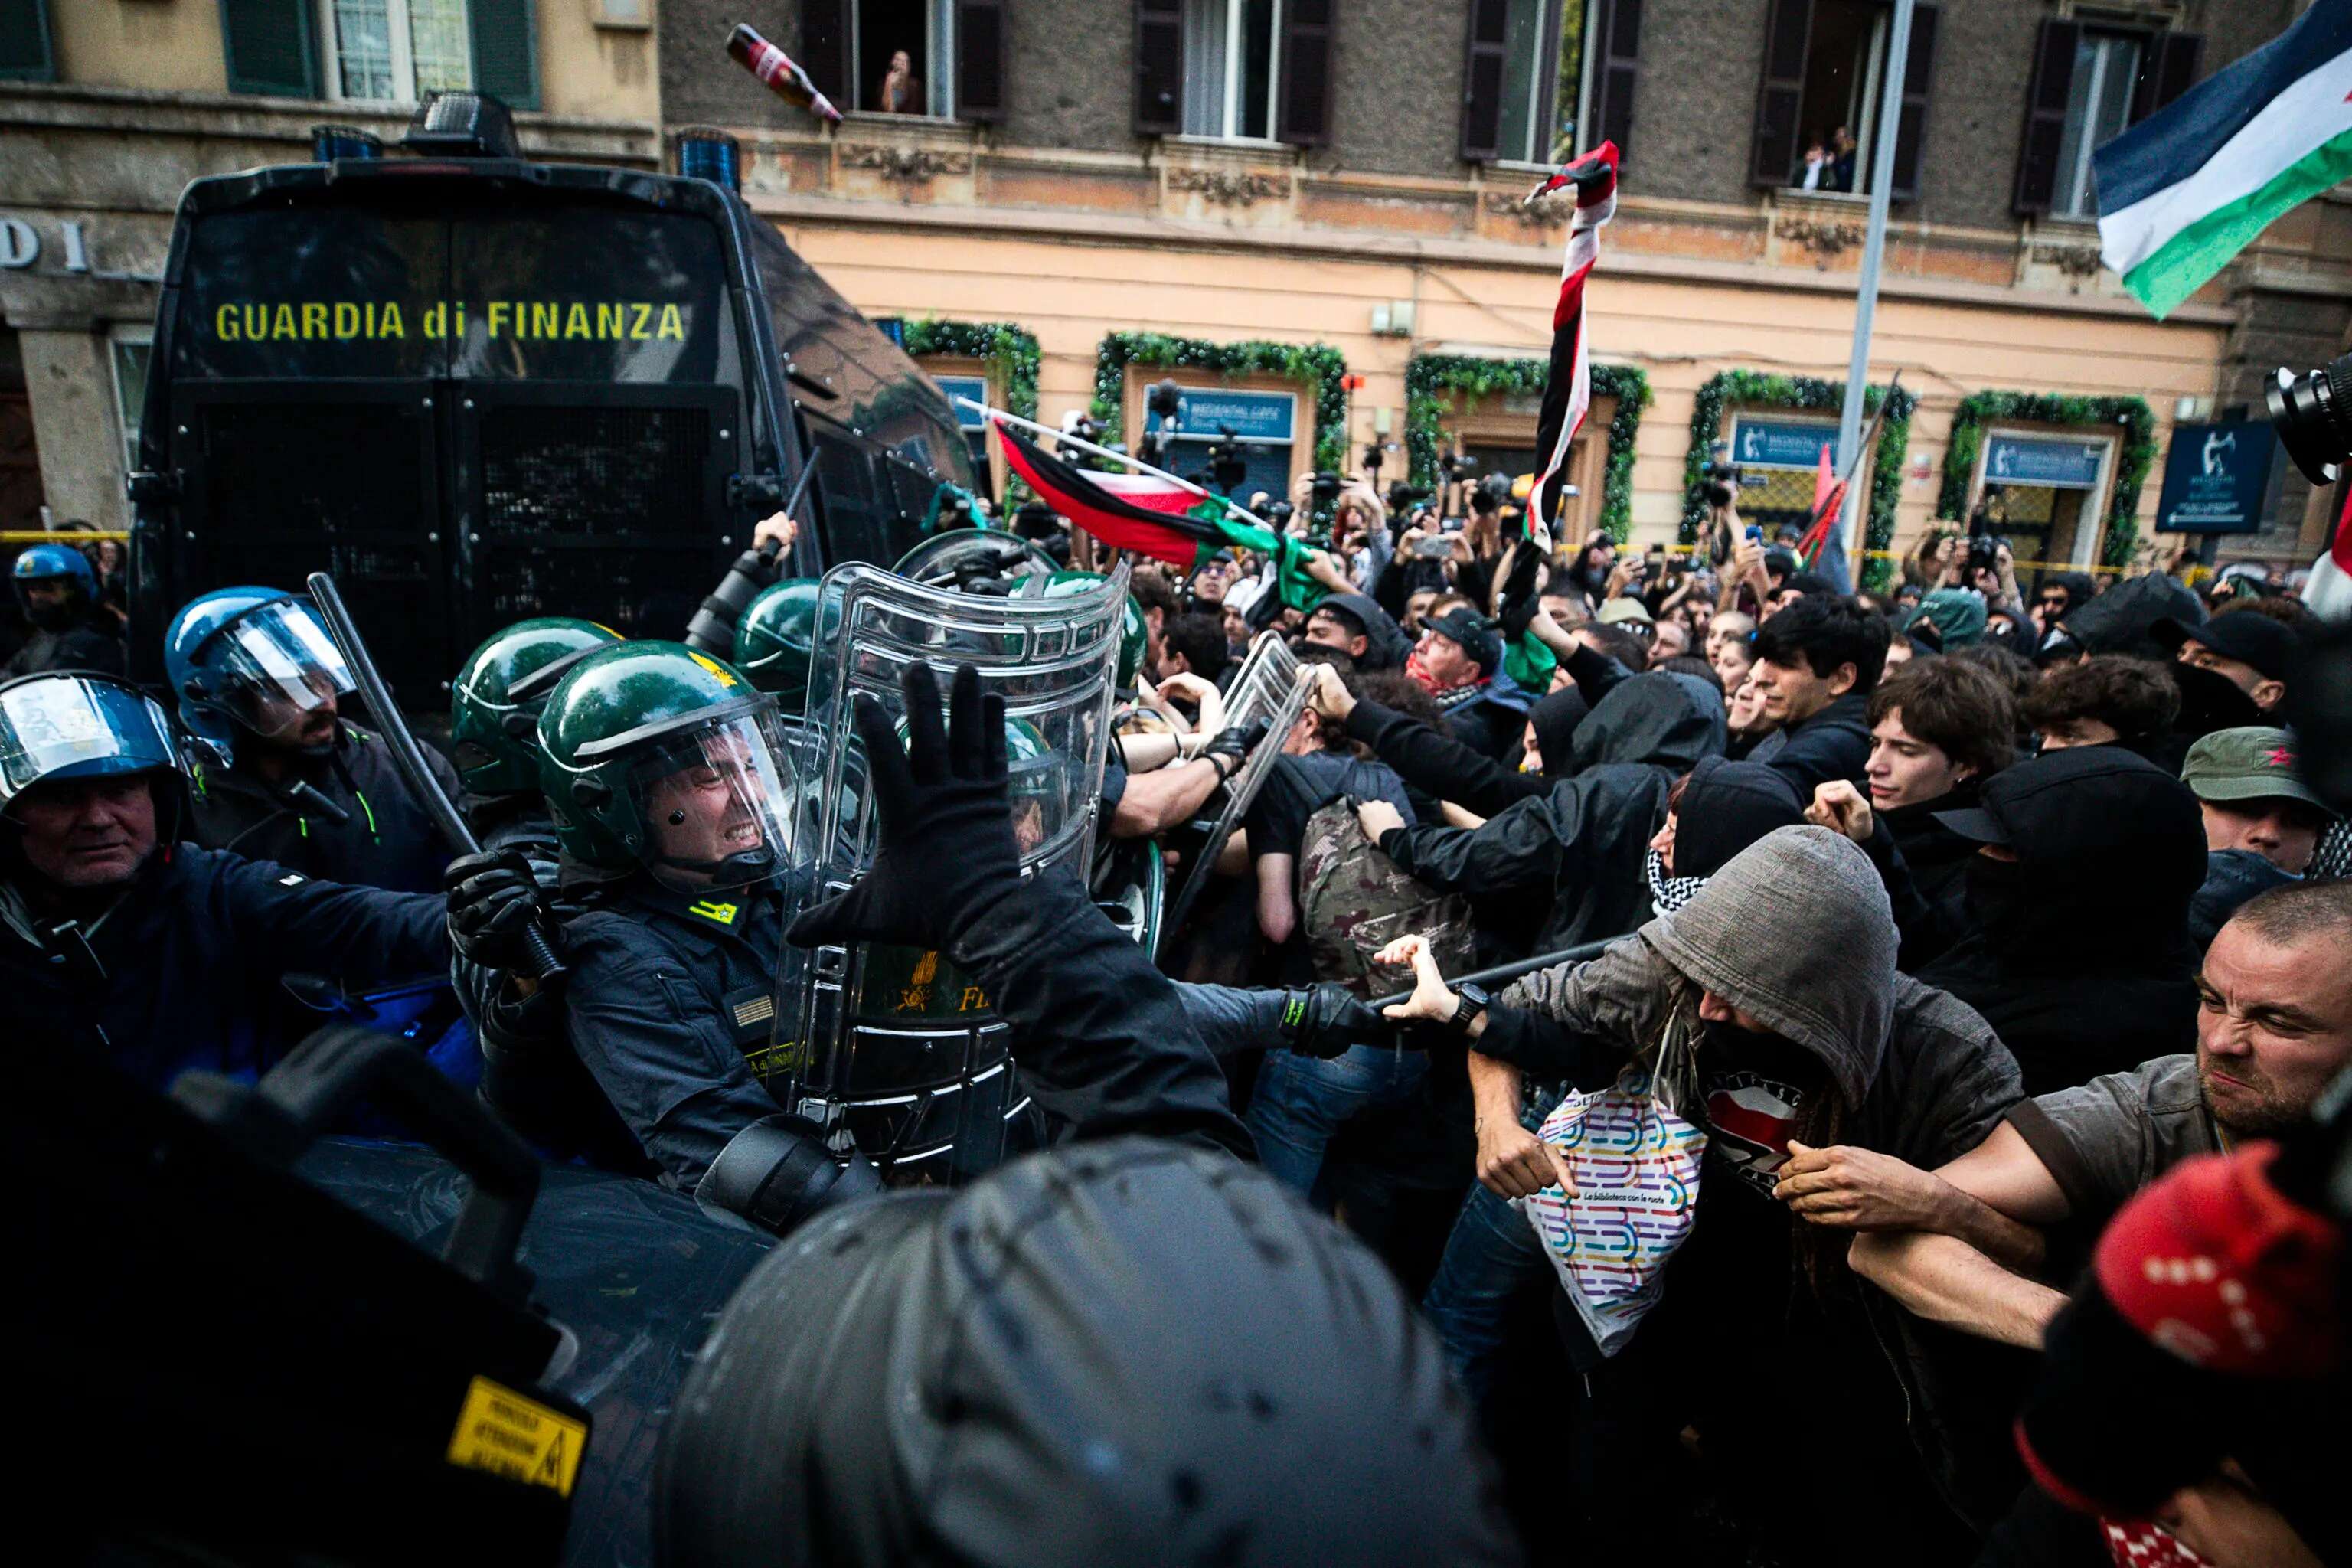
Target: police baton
409 758
1576 954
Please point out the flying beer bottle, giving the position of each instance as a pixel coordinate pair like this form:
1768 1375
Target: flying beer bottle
777 69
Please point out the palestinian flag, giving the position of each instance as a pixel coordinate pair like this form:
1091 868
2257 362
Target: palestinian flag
2187 188
1155 517
1568 390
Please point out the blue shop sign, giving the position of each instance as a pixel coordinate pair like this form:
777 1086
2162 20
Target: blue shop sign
2220 477
1782 443
972 387
1254 415
2051 461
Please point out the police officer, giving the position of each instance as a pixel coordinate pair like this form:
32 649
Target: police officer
280 775
528 1073
57 594
775 640
114 938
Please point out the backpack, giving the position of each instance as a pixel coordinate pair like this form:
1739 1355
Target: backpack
1353 901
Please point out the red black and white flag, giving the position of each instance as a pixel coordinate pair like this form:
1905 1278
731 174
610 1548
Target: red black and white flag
1126 511
1568 390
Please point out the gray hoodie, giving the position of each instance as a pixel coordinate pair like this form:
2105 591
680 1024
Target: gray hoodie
1795 930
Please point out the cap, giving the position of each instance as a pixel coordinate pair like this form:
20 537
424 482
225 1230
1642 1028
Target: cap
2084 800
1616 611
2256 761
2245 636
1474 633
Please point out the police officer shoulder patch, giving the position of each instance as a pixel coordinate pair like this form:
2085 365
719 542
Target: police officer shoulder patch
715 911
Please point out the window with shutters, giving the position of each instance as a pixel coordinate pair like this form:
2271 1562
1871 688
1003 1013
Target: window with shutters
1232 60
2098 105
902 56
396 50
1818 122
1548 79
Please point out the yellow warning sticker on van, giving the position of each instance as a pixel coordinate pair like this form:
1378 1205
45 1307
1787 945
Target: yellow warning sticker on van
501 1431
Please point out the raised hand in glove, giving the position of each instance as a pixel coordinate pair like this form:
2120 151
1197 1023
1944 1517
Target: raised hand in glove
494 903
1324 1020
1517 599
1232 747
947 854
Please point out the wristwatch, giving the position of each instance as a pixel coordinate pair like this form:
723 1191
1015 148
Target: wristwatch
1469 1001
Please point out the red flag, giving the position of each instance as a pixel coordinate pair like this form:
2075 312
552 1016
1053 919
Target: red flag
1829 501
1567 389
1124 512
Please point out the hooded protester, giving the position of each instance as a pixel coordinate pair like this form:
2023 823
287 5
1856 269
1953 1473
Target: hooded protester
2079 953
2061 594
1353 625
1581 842
2123 620
1804 1035
1435 762
1957 615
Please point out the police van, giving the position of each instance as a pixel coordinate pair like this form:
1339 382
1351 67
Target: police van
477 388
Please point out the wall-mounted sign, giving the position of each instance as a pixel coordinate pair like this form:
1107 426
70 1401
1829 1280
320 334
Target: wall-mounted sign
20 245
1254 415
972 387
2051 461
1781 443
2220 477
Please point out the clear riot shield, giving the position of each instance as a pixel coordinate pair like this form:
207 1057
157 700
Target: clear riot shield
1241 791
896 1054
1267 675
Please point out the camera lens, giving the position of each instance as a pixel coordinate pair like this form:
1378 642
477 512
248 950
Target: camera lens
2313 414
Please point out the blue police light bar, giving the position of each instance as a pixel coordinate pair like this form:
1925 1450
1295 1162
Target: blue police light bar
330 142
703 153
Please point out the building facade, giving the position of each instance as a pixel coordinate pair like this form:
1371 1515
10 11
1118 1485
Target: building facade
1310 214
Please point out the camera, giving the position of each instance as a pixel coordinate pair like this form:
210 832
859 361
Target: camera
1723 482
1984 545
1277 513
1164 399
1375 455
1457 466
2313 415
1227 467
1403 495
1327 489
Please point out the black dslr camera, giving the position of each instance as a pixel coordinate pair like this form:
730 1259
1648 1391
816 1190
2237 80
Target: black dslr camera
2313 415
1984 544
1227 467
1457 466
1723 482
1327 489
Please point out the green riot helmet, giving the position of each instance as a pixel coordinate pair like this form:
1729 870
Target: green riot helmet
654 756
495 703
775 639
1133 635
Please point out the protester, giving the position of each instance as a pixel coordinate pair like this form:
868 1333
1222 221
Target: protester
1816 662
2078 950
1731 646
2250 651
2262 821
1459 660
1804 1037
2110 700
1194 643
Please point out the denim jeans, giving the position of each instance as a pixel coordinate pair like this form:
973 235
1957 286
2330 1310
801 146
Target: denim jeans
1492 1255
1300 1103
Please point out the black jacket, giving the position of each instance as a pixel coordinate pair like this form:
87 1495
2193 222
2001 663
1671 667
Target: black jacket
1924 865
1582 841
386 839
93 642
1834 744
181 971
2078 952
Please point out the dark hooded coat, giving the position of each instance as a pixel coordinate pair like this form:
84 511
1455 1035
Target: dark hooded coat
2078 950
1583 839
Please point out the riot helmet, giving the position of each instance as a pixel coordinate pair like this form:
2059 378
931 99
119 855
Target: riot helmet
654 756
972 560
495 705
256 661
775 639
70 725
54 585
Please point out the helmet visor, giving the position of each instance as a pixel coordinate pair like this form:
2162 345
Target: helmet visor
716 803
69 727
276 668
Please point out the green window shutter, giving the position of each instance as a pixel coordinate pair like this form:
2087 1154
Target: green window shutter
270 48
24 52
506 52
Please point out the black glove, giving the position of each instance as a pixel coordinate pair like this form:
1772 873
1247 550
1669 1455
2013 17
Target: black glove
1325 1019
1518 598
1234 745
494 902
945 850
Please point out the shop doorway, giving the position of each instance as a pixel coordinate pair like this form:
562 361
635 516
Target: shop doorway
2043 494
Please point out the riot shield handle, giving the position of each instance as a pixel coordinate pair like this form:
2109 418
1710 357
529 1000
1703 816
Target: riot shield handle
334 1068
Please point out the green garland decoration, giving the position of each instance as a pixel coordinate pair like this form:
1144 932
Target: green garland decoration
1318 364
1755 389
1432 381
1008 350
2138 421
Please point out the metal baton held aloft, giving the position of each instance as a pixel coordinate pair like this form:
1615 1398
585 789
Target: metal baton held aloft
409 758
1512 970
